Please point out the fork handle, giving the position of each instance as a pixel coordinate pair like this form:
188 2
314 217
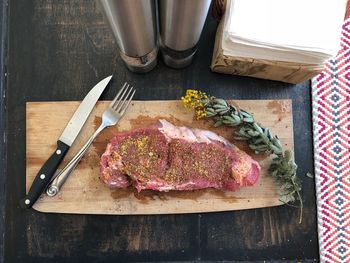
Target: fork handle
62 176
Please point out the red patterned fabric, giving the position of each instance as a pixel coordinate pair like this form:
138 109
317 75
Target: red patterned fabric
331 120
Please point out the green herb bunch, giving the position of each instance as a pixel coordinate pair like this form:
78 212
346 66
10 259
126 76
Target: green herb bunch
260 140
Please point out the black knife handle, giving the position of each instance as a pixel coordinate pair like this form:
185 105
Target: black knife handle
45 175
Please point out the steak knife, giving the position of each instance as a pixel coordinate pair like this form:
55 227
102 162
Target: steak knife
67 138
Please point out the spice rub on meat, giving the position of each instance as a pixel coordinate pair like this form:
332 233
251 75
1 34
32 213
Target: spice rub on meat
165 157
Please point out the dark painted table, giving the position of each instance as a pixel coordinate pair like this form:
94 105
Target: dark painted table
57 51
3 59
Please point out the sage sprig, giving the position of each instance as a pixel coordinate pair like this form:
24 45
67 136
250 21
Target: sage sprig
260 139
284 170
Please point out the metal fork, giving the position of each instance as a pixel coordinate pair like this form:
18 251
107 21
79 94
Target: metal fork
110 117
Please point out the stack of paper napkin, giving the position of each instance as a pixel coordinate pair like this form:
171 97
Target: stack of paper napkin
300 31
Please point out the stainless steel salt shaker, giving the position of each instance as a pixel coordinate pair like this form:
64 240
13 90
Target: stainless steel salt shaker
134 27
181 24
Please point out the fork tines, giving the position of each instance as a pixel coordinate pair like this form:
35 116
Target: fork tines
123 98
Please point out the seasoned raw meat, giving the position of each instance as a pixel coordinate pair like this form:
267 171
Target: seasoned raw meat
165 157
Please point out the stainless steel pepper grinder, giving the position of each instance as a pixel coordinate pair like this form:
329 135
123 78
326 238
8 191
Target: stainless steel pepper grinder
181 24
134 26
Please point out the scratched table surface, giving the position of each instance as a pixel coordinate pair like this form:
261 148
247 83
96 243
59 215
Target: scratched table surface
57 51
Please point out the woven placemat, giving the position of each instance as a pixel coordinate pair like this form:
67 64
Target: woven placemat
331 122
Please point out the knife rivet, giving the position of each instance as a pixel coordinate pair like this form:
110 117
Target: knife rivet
58 152
27 201
42 176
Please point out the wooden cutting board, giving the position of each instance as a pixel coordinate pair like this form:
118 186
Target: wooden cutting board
83 193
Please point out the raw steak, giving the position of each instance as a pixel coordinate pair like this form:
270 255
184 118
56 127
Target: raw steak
165 157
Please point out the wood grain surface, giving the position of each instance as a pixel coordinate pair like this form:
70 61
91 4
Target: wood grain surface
83 192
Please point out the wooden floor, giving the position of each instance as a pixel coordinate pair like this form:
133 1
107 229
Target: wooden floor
58 51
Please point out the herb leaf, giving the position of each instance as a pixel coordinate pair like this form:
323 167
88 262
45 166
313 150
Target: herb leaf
310 175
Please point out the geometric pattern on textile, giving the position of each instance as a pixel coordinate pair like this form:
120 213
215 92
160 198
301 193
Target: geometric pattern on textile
331 133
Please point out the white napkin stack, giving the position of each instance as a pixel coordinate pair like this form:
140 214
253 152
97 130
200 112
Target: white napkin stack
300 31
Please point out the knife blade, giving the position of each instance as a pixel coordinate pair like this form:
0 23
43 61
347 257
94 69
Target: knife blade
64 142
